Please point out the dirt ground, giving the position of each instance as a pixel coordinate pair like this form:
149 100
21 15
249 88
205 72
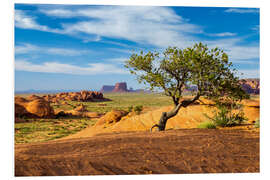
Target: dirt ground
170 152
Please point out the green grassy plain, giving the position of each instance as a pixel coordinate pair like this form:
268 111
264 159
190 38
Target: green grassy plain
40 130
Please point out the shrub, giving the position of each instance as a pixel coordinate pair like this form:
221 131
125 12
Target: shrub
130 108
138 109
257 123
225 118
207 125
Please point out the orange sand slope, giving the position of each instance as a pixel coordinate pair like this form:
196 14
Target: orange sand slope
188 117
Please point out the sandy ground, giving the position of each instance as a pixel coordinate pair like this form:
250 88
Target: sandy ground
187 118
170 152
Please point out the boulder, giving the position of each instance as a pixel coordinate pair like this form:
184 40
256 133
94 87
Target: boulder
81 108
111 117
20 111
91 114
40 108
74 113
20 100
34 97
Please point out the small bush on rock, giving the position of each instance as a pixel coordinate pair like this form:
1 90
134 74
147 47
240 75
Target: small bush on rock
225 118
138 109
257 123
207 125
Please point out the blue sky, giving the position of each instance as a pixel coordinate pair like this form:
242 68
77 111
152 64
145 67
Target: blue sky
84 47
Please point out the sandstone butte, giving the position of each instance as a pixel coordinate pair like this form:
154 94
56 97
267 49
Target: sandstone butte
189 117
118 87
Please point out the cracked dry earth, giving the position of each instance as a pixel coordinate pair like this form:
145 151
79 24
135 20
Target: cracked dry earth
170 152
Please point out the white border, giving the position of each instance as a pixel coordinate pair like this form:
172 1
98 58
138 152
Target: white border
201 3
7 80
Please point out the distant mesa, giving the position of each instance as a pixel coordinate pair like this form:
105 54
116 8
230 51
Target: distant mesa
119 87
251 86
107 88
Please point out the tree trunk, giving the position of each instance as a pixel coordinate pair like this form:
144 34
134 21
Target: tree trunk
167 115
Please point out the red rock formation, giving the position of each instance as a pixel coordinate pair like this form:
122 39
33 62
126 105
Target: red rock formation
120 87
251 86
82 96
36 108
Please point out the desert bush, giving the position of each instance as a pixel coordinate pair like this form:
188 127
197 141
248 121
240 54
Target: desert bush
257 123
207 125
138 109
130 108
225 118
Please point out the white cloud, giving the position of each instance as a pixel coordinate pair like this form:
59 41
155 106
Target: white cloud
125 51
65 52
242 10
236 52
159 26
118 60
27 22
56 67
26 48
224 34
256 28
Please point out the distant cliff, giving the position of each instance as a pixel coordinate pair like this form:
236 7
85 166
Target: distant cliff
118 87
251 86
107 88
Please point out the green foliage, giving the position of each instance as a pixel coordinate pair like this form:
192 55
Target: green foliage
207 125
208 69
225 118
257 123
138 109
130 108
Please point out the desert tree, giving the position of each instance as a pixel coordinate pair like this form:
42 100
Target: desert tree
173 70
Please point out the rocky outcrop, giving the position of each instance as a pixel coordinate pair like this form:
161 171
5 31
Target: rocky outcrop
82 96
81 108
111 117
251 86
40 108
33 107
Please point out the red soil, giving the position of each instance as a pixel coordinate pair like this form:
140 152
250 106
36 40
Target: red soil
170 152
